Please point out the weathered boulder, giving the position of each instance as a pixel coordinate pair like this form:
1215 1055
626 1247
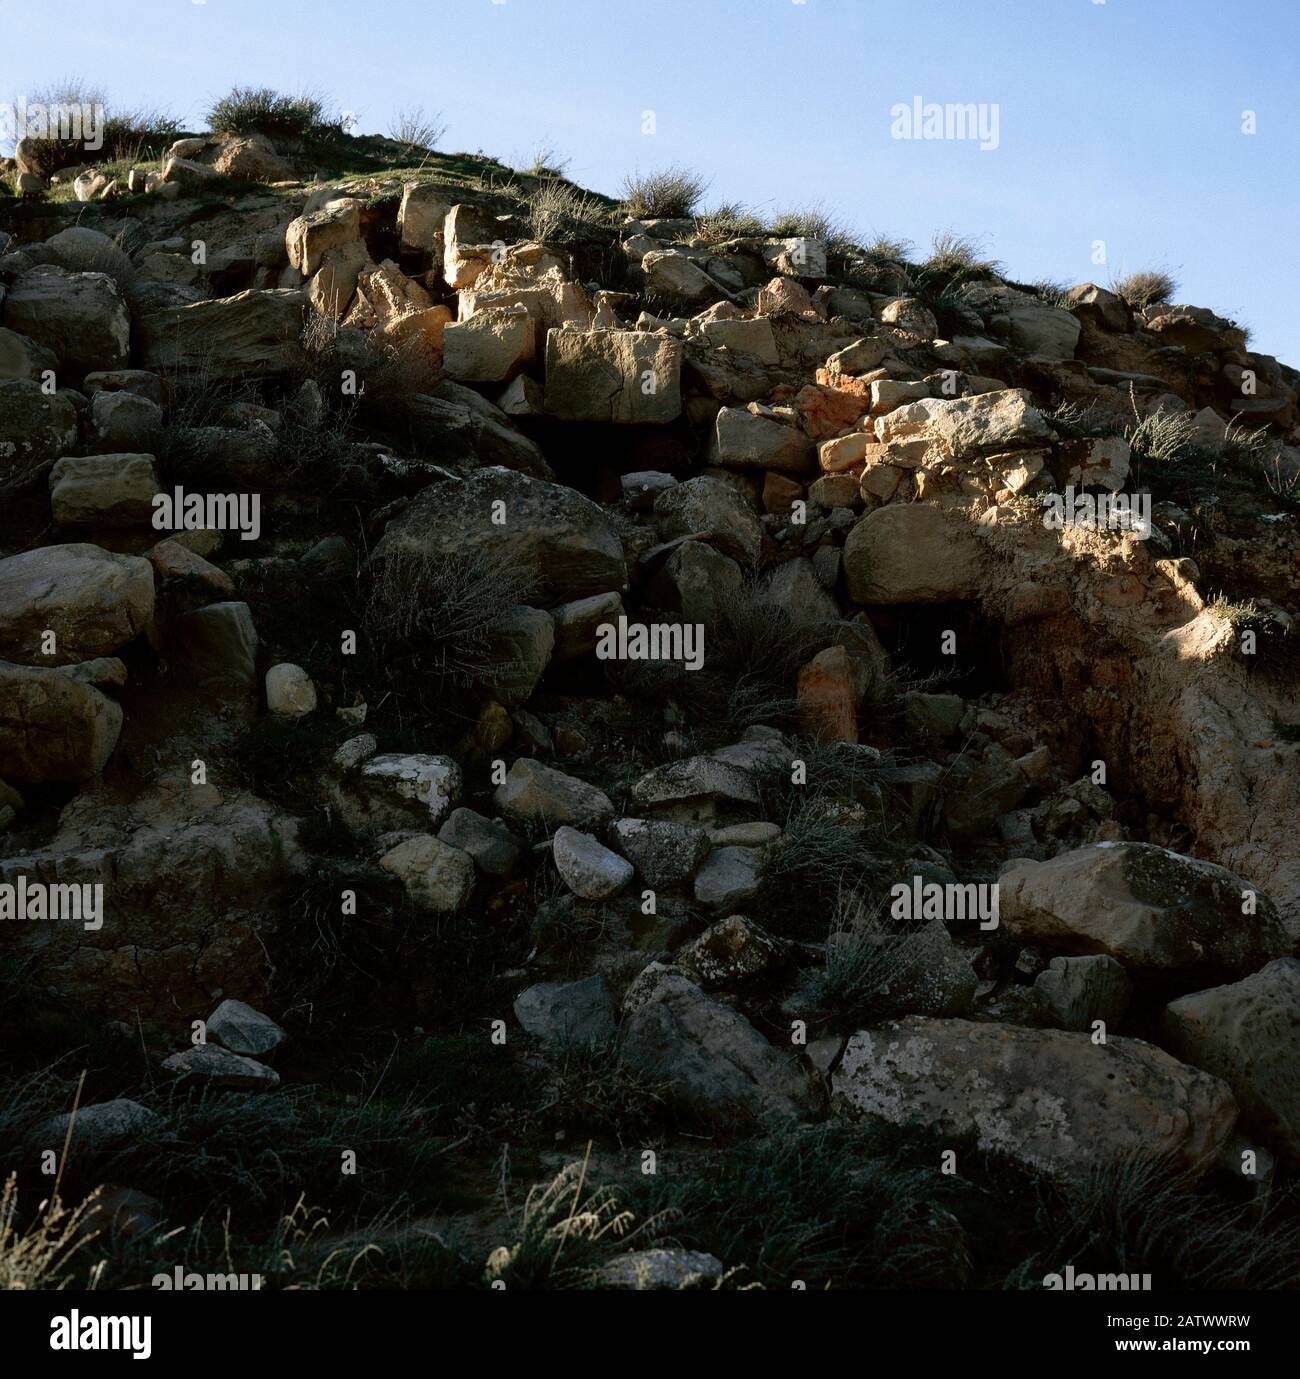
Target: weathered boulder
729 877
218 647
398 790
568 1013
650 1270
253 333
1073 992
577 624
966 427
251 158
710 1061
220 1068
92 600
491 347
613 376
103 492
310 237
730 951
101 1126
675 275
52 728
244 1030
121 421
696 790
35 429
1048 332
1248 1033
1051 1099
420 218
696 581
1147 907
436 876
1092 303
565 538
491 844
82 317
189 873
910 553
23 358
664 853
742 440
532 792
712 508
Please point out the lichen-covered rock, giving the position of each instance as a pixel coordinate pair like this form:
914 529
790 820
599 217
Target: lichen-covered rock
566 540
1048 1098
1149 908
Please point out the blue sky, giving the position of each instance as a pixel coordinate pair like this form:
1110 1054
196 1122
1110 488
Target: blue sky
1119 122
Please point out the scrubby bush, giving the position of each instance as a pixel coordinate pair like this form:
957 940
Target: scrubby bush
1147 1215
730 220
419 132
545 160
671 193
1148 287
814 222
260 110
557 212
132 134
429 620
822 1204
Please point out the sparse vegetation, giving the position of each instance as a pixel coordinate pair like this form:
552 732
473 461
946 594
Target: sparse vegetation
1147 287
429 620
415 130
558 212
306 117
672 193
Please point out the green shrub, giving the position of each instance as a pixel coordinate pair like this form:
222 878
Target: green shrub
259 110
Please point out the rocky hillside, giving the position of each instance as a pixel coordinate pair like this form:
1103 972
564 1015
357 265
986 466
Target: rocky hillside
509 700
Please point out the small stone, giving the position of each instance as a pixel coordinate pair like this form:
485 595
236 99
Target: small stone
289 691
588 868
